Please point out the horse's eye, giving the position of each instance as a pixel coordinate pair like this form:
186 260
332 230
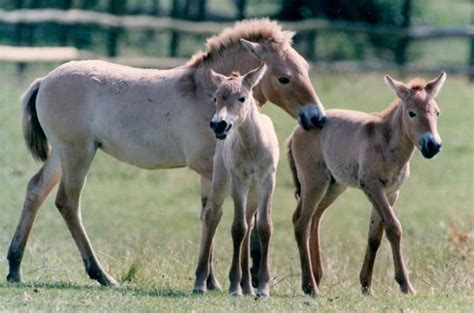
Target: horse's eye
242 99
437 113
411 114
284 80
214 99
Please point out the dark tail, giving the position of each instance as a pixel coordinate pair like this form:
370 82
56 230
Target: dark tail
32 132
294 172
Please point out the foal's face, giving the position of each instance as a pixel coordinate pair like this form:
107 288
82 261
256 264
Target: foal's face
287 83
233 99
420 114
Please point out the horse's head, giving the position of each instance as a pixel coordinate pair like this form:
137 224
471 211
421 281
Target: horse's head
286 83
233 99
420 112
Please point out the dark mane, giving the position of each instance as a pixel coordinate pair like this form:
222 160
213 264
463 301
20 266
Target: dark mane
417 84
257 30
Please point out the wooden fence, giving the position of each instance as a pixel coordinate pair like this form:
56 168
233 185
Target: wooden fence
311 27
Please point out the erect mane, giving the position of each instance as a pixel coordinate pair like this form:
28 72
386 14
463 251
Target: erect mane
257 30
417 84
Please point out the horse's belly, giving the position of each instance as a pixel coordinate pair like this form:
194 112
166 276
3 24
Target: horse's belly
157 156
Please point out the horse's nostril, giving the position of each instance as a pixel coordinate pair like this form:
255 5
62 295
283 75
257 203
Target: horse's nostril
431 145
212 125
318 120
220 127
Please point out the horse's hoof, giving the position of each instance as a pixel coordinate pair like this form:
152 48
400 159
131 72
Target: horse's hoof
213 285
263 293
310 291
366 291
14 278
248 291
408 290
107 281
199 291
235 291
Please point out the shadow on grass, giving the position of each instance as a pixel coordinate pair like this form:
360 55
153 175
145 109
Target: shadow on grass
125 290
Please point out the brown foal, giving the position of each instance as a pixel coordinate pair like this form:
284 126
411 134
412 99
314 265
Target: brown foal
366 151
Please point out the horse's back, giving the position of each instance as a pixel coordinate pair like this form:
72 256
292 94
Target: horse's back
132 114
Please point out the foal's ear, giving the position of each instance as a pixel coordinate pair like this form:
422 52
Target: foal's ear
255 48
217 78
434 86
254 76
400 88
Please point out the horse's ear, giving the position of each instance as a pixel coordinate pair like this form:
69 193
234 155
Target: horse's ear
255 48
400 88
434 86
254 76
217 78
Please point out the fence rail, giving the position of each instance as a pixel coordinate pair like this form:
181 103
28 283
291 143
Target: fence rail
311 27
165 24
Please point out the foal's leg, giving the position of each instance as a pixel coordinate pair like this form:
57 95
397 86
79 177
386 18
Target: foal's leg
206 188
393 229
264 228
255 254
247 279
75 164
314 185
334 191
210 221
239 228
373 244
38 189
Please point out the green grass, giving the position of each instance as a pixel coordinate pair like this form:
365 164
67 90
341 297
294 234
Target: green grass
145 225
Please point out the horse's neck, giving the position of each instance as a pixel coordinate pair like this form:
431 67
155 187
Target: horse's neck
249 129
400 143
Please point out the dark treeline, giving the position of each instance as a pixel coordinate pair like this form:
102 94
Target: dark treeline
391 13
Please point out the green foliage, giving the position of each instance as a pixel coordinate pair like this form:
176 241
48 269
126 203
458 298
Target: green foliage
145 225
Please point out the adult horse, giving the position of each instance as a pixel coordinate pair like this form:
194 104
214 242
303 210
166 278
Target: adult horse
153 119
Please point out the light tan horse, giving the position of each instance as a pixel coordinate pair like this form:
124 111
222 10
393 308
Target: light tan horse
245 165
148 118
366 151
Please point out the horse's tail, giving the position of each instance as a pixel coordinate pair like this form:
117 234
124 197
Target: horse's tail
293 169
35 138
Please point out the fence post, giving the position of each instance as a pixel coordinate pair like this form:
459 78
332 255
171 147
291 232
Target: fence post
401 49
310 45
471 56
174 41
241 4
116 7
18 39
64 29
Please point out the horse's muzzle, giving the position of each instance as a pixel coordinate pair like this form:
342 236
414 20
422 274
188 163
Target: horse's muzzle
429 146
311 117
220 128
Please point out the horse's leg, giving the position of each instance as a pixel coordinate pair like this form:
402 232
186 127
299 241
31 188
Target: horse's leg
314 186
255 254
75 162
393 229
39 187
210 220
239 228
246 282
264 228
334 191
374 240
206 187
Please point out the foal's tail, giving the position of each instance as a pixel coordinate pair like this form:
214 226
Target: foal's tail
32 132
293 169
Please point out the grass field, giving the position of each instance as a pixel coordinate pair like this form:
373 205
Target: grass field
145 225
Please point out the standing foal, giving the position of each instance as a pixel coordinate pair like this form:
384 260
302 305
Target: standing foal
244 164
368 151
